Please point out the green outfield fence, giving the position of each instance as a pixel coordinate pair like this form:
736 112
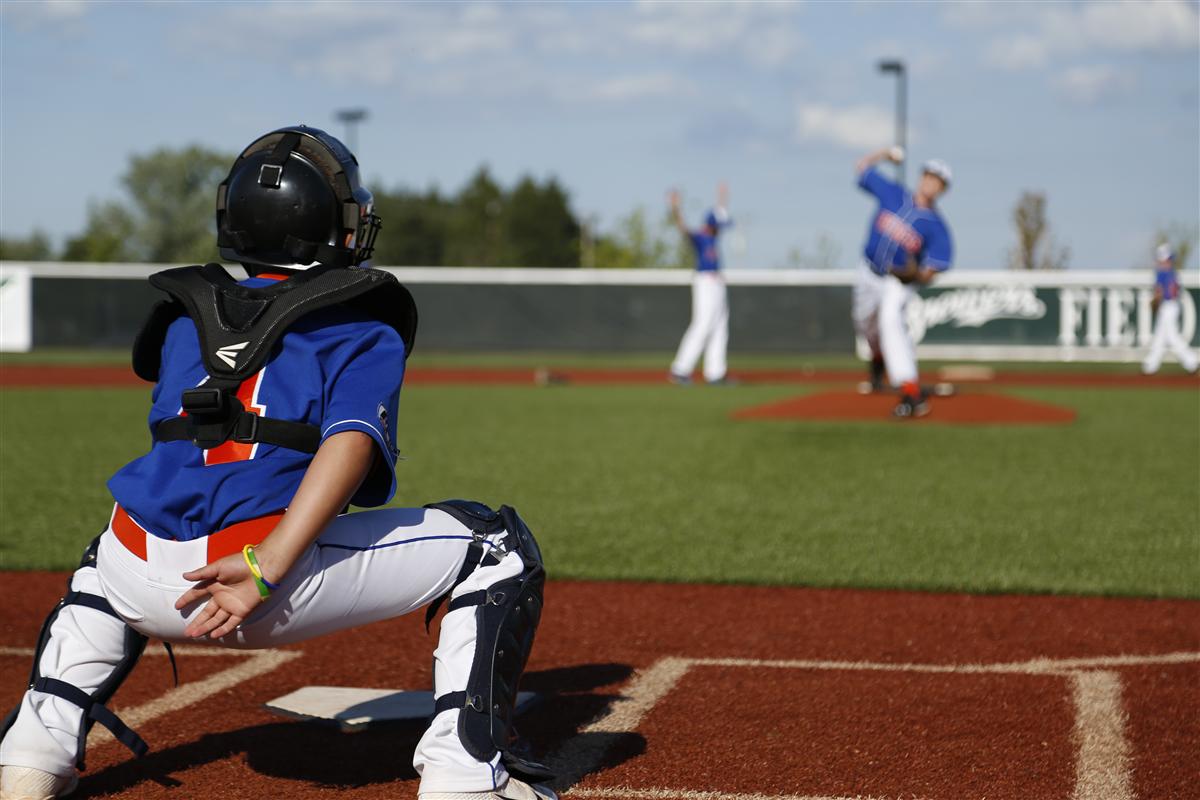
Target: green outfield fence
1075 315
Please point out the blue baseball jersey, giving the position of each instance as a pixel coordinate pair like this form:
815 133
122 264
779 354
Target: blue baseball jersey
1167 281
708 258
900 229
335 368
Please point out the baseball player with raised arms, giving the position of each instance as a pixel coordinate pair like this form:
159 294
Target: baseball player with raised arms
708 331
272 411
908 244
1166 323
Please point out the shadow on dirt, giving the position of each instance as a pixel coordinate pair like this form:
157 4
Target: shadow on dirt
328 759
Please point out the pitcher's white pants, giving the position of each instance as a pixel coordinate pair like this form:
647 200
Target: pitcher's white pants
1166 334
708 332
878 308
365 567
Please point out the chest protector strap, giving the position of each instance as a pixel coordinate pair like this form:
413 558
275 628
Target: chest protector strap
239 328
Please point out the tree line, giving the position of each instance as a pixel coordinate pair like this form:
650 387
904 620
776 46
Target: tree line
166 216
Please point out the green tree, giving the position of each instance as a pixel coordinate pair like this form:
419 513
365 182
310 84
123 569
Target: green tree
414 232
639 242
34 247
168 215
539 228
1036 248
474 235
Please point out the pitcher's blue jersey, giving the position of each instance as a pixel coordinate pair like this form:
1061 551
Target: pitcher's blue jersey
1167 281
335 368
901 229
708 259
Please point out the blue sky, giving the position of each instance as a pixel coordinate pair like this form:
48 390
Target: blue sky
1097 104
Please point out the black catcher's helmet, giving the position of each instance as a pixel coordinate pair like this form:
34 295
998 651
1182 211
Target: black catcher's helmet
293 199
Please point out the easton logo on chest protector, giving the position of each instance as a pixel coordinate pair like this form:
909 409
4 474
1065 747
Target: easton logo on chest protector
229 353
239 327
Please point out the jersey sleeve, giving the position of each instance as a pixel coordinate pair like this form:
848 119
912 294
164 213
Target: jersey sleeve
938 253
871 180
363 390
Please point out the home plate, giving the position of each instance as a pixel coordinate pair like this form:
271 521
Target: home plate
354 709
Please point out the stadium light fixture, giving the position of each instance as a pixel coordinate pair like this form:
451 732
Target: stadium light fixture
896 67
350 117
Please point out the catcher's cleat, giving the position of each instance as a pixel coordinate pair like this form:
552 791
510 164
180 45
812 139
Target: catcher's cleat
512 790
911 407
27 783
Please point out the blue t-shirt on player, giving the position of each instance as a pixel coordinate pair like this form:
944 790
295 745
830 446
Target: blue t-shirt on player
1167 281
901 229
335 368
708 257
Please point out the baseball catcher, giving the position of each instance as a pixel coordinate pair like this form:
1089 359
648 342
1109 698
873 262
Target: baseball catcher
274 406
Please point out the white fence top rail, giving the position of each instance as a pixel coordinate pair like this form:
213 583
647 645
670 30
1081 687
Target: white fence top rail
649 277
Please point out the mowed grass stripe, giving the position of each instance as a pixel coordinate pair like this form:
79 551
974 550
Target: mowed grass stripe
658 483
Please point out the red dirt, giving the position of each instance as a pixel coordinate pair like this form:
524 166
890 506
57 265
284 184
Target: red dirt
975 407
746 728
47 375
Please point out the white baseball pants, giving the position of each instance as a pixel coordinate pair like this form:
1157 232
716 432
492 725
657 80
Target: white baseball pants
878 307
1166 334
365 567
708 332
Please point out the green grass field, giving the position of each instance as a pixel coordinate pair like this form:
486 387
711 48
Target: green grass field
658 483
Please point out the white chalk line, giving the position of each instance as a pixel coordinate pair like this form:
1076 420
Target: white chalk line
181 651
1102 764
626 793
1037 666
255 663
258 662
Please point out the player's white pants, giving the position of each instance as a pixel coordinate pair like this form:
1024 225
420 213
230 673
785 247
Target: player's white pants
365 567
1166 334
878 307
708 332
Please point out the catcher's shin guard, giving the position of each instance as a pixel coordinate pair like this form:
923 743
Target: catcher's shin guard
92 704
506 618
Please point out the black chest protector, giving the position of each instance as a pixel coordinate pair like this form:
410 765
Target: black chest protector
239 328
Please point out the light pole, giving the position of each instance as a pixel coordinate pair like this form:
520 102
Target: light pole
896 66
350 117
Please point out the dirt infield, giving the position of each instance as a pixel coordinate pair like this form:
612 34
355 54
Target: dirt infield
707 693
975 407
46 375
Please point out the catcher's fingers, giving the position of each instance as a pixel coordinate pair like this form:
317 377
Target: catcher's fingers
206 624
197 626
229 627
198 592
205 573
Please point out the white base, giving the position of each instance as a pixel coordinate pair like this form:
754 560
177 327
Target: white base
354 709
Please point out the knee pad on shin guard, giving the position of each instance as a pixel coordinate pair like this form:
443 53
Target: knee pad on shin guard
507 614
92 704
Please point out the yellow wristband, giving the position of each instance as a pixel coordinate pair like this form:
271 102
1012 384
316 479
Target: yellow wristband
265 587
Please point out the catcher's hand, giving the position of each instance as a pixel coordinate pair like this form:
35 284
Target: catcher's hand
229 587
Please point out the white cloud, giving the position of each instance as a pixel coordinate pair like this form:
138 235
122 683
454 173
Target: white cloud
1038 32
853 127
1086 85
642 87
1022 51
64 16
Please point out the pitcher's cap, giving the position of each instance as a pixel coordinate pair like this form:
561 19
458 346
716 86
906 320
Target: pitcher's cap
936 166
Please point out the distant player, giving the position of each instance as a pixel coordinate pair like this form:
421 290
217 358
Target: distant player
907 245
273 410
708 332
1166 324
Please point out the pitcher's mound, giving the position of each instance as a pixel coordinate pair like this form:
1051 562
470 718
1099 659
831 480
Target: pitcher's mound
964 408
